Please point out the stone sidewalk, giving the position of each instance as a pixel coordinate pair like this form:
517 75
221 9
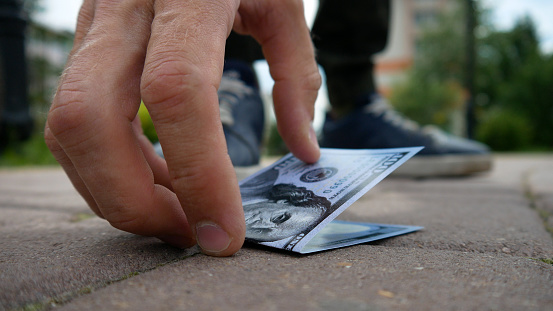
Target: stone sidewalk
485 246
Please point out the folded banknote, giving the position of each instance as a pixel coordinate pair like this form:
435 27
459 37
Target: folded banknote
292 205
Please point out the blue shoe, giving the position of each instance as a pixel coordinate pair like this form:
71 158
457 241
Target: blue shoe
242 113
376 126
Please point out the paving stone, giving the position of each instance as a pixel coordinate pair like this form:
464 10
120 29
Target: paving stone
53 246
539 183
364 277
484 246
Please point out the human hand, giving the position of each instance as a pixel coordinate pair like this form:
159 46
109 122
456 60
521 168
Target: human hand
169 53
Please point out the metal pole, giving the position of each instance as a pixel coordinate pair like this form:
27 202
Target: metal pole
15 121
470 67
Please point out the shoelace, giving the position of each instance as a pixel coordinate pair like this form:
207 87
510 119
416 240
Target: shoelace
231 91
380 108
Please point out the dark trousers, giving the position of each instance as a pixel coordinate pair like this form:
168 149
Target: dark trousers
15 119
346 35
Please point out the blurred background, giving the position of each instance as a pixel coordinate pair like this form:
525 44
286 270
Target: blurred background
476 68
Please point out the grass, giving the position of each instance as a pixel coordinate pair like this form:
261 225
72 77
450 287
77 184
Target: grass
548 261
32 152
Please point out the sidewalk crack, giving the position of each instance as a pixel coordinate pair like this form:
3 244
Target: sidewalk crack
67 297
533 198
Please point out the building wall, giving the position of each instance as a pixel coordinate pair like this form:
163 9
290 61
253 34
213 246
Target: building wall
408 19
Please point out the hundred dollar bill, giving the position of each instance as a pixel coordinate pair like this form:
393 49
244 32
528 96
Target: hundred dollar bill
291 205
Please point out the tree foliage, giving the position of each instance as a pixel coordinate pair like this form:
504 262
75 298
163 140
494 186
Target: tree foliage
517 77
432 92
32 7
514 81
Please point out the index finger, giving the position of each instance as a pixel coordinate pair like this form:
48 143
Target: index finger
280 28
182 71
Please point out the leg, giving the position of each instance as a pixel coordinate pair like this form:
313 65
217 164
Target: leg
346 37
242 48
240 102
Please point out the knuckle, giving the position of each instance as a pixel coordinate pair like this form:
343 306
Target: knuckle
48 136
193 180
163 81
68 111
72 122
123 218
170 83
189 174
50 140
130 224
313 80
123 10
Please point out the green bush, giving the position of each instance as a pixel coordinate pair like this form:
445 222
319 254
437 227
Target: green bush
147 124
35 152
275 145
30 152
427 101
505 130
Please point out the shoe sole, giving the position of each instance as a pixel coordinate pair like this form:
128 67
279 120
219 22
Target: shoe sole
444 166
417 167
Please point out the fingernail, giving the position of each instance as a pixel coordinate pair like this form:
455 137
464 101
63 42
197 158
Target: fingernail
211 237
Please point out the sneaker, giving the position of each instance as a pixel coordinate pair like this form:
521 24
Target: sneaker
242 114
377 125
